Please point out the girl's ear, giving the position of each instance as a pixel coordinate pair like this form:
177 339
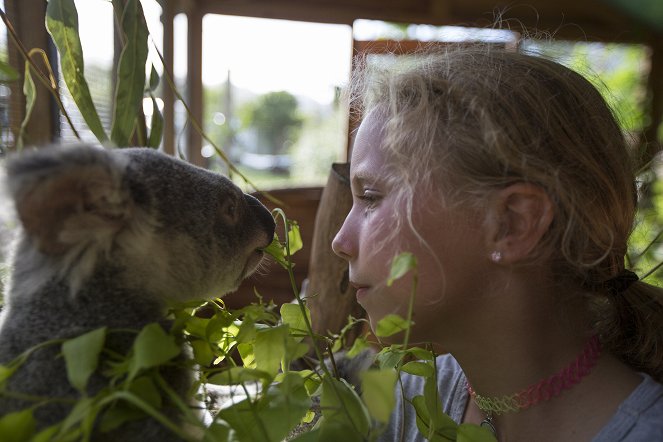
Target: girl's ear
519 216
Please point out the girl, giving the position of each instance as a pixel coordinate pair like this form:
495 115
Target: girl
508 178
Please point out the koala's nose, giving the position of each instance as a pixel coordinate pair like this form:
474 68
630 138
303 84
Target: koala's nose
263 216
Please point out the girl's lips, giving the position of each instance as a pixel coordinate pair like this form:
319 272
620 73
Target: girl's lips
361 289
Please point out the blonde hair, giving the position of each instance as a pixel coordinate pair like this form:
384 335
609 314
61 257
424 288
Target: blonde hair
471 120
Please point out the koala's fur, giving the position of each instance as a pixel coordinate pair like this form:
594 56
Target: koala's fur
109 238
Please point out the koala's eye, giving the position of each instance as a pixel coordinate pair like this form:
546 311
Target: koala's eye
229 211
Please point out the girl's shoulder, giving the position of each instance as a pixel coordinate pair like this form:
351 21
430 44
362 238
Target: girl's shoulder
639 417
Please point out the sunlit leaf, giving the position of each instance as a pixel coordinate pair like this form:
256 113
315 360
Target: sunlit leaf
270 348
130 73
62 24
390 325
81 356
17 426
291 314
378 392
401 264
294 237
277 251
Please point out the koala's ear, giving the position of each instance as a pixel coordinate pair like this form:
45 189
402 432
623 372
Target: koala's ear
67 198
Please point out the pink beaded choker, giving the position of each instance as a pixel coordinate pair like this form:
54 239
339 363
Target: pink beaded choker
541 391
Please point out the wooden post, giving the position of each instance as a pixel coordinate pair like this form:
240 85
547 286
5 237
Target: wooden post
27 17
195 81
167 17
655 91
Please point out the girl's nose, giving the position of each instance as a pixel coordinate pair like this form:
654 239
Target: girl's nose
341 244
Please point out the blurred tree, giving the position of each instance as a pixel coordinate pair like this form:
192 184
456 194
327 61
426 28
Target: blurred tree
275 118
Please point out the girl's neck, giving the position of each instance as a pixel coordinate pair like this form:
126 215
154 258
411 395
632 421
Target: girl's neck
522 341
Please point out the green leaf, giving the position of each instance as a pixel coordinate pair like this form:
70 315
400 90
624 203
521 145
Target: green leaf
390 357
390 325
156 126
238 375
474 433
418 368
277 251
426 425
401 264
294 237
130 73
30 93
202 352
270 348
17 426
151 348
291 314
47 434
378 392
81 356
62 24
7 73
421 353
154 80
6 372
340 403
357 347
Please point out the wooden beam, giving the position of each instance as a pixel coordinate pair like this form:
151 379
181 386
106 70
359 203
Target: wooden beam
27 17
195 81
167 17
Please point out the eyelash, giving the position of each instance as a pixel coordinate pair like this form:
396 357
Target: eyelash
370 198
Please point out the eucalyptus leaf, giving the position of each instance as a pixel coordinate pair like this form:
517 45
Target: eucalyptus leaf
378 392
418 368
62 24
81 356
341 404
130 73
238 375
30 93
270 348
156 125
426 425
291 314
17 426
400 265
7 73
151 348
294 237
391 324
154 80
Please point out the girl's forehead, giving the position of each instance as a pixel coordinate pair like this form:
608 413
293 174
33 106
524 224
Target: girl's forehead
367 153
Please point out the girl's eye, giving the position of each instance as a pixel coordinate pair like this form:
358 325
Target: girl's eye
369 197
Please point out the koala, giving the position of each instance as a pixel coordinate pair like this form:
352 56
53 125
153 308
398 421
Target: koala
111 238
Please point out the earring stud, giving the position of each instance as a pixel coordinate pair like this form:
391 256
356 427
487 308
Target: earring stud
496 256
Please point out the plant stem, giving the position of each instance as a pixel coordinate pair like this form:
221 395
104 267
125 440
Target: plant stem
50 85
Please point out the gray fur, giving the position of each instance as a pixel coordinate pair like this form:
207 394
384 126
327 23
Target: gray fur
109 238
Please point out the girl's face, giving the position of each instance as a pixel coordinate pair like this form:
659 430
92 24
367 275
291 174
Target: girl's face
449 249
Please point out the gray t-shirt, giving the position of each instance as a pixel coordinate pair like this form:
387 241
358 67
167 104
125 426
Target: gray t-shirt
638 419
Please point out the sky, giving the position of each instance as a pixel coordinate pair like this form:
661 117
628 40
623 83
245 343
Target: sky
262 55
